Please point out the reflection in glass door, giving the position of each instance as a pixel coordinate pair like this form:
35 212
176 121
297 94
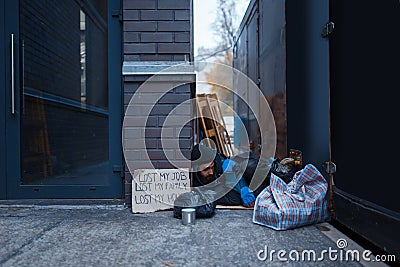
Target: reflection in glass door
64 118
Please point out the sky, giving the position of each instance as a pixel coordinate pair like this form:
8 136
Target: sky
204 15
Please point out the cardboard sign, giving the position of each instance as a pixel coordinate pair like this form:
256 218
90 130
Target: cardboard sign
157 189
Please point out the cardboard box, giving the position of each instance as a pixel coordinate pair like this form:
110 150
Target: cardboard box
157 189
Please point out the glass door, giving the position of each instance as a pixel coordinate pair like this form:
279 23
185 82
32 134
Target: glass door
63 96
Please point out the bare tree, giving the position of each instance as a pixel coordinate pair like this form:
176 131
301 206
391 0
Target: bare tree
225 22
224 27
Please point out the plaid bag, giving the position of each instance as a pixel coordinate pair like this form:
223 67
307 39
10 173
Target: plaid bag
283 206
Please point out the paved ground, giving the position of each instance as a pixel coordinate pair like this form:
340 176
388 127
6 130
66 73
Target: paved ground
110 235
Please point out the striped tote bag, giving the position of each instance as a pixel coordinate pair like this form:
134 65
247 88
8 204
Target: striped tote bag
303 201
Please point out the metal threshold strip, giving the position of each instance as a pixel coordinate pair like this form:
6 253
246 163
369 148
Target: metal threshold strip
66 204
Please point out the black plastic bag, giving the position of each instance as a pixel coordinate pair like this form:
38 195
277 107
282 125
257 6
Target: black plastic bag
200 200
284 169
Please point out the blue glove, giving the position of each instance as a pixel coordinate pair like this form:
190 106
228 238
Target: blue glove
247 196
227 165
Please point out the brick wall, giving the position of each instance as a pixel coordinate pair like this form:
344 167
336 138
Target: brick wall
158 33
157 30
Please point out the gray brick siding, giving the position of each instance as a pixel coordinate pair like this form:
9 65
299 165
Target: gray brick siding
156 148
157 30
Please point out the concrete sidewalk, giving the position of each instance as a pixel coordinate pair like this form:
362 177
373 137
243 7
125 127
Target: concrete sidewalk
110 235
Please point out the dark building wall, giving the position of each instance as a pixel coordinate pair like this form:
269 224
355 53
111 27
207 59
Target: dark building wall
156 31
260 54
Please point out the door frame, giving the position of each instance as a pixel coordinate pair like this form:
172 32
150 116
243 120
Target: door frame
3 183
10 157
12 125
115 93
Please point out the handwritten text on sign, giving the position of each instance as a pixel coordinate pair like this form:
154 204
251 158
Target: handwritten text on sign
157 189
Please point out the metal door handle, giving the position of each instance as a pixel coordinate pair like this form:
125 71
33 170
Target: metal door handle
12 76
22 77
